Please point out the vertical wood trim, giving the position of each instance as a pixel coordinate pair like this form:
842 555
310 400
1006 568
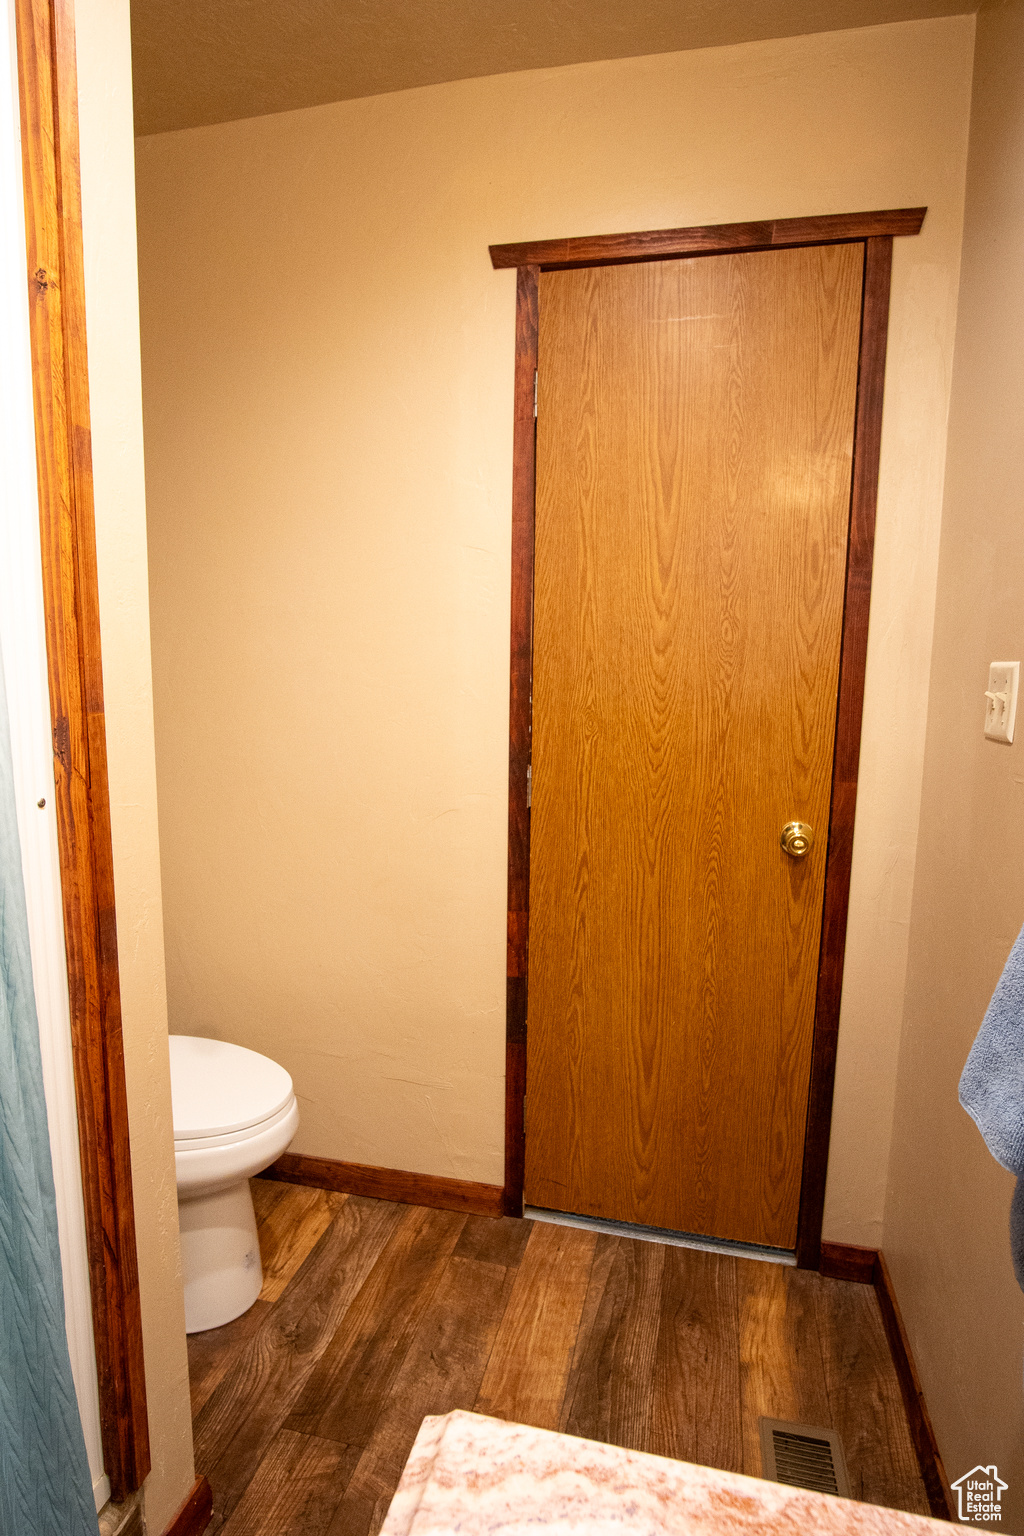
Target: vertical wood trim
520 727
56 291
863 499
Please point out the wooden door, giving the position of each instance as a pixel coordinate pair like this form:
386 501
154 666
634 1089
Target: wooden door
694 457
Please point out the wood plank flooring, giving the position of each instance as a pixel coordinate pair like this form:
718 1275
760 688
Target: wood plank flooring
373 1315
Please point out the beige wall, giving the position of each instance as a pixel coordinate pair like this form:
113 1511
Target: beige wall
328 376
946 1217
104 73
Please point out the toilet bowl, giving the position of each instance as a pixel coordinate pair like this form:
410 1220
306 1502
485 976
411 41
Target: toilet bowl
234 1113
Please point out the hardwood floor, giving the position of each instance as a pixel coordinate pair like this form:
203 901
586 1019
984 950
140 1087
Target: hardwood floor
373 1315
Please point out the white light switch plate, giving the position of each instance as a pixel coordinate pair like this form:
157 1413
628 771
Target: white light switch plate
1001 700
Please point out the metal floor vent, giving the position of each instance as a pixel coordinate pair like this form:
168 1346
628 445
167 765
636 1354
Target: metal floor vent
803 1456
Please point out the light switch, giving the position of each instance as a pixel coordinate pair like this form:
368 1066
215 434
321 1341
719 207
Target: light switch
1001 700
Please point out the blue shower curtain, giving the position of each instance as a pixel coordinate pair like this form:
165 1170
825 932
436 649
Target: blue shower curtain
45 1486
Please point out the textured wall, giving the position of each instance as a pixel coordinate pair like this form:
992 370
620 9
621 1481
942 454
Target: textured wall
327 384
108 212
197 63
946 1217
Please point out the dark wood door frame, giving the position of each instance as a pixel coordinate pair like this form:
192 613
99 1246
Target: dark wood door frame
875 231
56 293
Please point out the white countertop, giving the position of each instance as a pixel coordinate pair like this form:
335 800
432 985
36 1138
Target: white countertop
482 1477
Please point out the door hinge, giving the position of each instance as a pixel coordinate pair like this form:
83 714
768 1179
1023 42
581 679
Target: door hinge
535 394
529 785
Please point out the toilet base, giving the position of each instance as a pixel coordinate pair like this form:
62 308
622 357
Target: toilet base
220 1256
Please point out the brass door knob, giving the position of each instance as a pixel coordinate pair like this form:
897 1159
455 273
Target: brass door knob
797 839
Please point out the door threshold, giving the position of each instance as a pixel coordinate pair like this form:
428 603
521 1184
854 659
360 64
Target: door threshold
662 1235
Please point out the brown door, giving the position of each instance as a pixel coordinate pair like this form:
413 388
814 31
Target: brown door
694 457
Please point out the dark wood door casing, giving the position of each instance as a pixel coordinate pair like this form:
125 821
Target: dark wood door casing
875 230
56 291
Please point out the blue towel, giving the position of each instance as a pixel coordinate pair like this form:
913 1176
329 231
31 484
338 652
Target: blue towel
1017 1232
992 1087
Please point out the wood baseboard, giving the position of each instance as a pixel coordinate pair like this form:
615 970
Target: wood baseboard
932 1470
194 1515
845 1261
867 1266
389 1184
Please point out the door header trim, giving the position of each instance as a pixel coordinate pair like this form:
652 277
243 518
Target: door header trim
707 239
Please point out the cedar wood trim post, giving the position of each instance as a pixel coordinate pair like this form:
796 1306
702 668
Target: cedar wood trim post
60 384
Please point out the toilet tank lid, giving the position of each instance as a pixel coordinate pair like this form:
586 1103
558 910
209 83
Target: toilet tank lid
217 1087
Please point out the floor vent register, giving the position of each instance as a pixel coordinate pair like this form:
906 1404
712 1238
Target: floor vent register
804 1456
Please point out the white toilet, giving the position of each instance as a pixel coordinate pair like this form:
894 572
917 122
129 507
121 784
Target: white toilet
234 1113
